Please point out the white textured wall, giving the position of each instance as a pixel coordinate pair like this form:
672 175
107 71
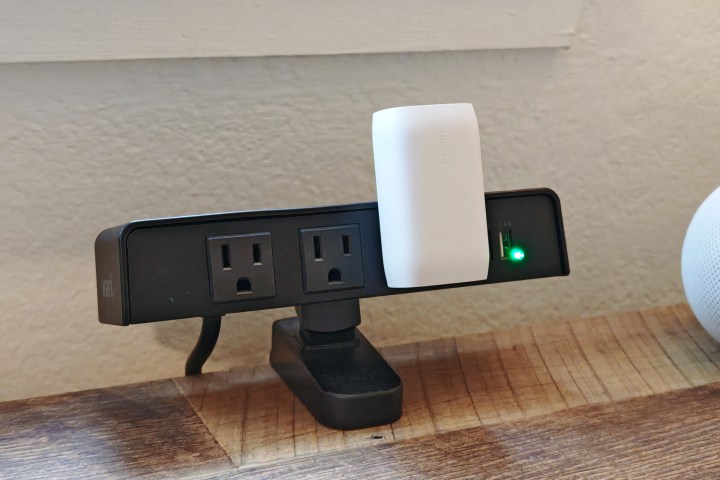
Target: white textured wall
625 126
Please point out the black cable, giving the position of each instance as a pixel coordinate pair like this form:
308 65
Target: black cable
203 348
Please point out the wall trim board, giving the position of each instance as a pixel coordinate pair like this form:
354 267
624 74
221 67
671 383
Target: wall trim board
85 30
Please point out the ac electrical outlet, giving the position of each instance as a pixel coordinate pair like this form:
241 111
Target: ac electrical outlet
331 258
241 267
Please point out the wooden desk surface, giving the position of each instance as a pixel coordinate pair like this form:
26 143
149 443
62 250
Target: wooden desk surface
625 395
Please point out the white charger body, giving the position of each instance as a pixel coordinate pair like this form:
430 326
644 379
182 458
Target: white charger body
431 197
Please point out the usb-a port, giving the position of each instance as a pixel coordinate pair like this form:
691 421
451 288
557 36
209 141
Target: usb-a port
505 243
508 250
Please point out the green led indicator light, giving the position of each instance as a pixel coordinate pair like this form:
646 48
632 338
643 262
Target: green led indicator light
517 254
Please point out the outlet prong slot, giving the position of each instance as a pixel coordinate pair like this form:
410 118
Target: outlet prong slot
257 253
226 265
346 244
317 246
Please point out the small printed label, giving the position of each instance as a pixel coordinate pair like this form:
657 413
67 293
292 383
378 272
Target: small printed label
107 287
442 148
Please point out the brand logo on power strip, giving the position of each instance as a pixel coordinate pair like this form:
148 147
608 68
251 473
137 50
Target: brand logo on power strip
107 287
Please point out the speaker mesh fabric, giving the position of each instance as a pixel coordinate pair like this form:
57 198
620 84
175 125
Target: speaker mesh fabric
700 264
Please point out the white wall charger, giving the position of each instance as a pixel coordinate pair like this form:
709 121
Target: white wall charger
431 198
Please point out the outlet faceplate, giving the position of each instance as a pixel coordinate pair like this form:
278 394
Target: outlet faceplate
331 258
241 267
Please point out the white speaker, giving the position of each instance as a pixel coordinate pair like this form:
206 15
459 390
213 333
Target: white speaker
700 264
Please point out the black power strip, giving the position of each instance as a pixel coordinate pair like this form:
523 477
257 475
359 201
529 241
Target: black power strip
320 260
153 270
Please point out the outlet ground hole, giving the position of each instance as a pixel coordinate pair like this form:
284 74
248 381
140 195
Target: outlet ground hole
244 285
334 276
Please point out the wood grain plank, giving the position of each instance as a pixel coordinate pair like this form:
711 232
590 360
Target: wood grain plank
488 386
705 342
305 430
268 419
445 387
529 379
645 353
481 379
670 435
416 420
568 365
450 385
223 413
139 430
680 347
608 359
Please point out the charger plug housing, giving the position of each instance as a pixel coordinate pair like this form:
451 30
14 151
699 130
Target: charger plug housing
431 199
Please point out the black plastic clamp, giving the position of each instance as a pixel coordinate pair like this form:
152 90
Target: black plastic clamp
332 368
